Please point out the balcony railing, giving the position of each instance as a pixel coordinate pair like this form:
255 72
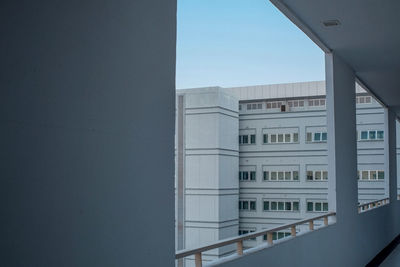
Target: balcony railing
238 240
373 204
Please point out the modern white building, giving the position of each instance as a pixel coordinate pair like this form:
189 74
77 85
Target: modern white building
252 158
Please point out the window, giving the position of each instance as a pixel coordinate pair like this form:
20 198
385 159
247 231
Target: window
272 205
316 102
317 137
253 175
244 139
371 135
281 175
295 103
273 105
278 235
310 176
371 175
245 175
309 137
281 138
317 206
364 135
254 106
317 175
295 137
363 100
379 135
324 136
287 138
247 205
240 107
253 139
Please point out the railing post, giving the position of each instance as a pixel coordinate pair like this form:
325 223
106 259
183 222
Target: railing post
293 230
326 220
239 248
359 209
311 226
197 259
269 238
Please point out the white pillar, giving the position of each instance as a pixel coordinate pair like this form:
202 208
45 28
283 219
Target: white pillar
342 146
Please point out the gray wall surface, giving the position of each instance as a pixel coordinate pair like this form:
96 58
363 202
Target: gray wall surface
87 92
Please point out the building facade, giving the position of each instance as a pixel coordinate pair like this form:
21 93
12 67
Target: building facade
256 157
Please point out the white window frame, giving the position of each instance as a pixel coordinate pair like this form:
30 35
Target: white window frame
276 174
315 173
314 204
277 205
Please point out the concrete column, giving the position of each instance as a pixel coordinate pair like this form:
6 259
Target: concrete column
390 155
208 169
341 128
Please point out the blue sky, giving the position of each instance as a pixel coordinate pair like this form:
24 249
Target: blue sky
241 42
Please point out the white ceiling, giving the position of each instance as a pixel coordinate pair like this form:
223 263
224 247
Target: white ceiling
368 38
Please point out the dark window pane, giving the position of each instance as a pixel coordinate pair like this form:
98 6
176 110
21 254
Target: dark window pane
380 134
325 206
266 205
296 206
372 135
245 176
252 205
364 135
295 137
295 175
280 205
245 205
317 136
324 136
266 175
274 206
245 139
288 205
318 206
265 138
309 175
253 138
310 206
252 175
